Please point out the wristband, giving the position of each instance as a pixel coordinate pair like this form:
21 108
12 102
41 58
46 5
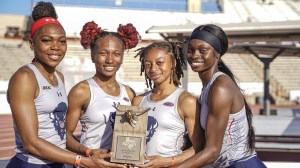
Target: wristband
88 152
77 161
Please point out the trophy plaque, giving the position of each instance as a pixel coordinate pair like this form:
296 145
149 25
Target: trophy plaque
129 136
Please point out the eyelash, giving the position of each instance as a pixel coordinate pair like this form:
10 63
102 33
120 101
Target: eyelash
201 51
48 40
158 63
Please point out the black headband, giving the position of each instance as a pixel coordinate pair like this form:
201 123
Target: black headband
207 37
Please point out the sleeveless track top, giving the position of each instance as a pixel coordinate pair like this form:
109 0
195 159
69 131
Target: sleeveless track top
165 128
235 140
51 108
98 120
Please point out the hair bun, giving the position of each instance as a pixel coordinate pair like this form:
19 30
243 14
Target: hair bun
129 34
43 9
88 33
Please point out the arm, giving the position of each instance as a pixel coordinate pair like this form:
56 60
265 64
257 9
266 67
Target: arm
130 92
78 100
189 110
219 103
23 89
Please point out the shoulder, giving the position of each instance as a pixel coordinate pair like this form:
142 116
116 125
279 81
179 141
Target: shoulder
186 98
129 89
223 85
188 105
138 99
23 75
222 91
80 89
130 92
23 82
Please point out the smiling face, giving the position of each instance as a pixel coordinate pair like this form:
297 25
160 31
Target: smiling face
158 65
108 56
201 56
49 45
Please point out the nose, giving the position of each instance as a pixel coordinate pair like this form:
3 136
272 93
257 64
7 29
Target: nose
153 68
195 54
54 46
109 58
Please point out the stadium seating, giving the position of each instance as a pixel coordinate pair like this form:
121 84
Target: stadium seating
77 66
13 56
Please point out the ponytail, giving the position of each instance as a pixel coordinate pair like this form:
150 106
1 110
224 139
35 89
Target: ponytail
251 136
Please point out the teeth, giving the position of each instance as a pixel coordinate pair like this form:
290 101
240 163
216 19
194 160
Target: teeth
109 68
196 63
54 57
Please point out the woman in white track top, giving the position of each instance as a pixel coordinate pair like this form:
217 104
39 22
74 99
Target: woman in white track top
173 110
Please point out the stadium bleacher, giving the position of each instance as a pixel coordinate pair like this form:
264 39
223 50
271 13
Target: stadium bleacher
13 56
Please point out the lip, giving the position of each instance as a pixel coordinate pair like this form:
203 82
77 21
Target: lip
109 68
196 63
54 57
154 76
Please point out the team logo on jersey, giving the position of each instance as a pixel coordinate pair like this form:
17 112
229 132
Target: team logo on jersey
58 117
126 99
109 127
112 116
170 104
151 128
46 87
111 119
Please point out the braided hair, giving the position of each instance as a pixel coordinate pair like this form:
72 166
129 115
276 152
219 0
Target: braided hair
174 49
90 33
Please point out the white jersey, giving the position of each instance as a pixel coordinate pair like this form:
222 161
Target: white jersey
51 107
99 118
235 140
165 128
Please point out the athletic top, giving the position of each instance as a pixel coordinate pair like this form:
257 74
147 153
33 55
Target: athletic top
165 128
99 118
235 140
51 108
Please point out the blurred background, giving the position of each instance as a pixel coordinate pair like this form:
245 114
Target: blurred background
264 55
